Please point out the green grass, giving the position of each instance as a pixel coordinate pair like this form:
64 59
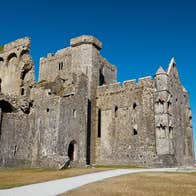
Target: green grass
1 48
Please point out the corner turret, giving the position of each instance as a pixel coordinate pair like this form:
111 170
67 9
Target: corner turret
161 79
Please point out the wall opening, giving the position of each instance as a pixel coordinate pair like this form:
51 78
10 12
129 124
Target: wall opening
60 65
101 77
72 151
23 74
12 55
135 131
15 149
22 91
88 134
23 53
6 106
99 123
134 105
74 113
168 106
1 60
0 84
116 111
170 132
161 101
47 110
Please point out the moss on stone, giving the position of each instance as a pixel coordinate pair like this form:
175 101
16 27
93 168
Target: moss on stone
1 48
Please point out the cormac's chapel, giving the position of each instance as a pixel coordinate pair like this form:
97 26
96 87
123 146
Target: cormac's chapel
77 114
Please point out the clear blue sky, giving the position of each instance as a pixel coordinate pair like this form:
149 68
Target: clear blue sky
138 35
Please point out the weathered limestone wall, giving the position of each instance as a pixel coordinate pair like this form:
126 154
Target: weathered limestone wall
86 59
127 123
73 123
16 68
15 141
77 114
180 118
58 122
55 65
42 137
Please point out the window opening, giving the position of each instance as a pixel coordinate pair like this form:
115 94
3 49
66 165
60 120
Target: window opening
99 123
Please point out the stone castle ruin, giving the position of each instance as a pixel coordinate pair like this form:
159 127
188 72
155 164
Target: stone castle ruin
77 114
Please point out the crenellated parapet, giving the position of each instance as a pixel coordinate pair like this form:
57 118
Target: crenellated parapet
56 65
129 85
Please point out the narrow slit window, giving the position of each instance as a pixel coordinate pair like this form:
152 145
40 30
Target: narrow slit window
22 91
74 113
60 65
134 105
101 78
99 123
116 111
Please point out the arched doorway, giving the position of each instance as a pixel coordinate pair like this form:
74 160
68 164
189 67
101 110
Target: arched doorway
72 150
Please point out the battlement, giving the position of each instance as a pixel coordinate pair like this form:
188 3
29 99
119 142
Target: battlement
86 39
59 53
118 87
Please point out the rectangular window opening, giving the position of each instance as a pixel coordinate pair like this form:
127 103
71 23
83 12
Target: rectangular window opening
99 123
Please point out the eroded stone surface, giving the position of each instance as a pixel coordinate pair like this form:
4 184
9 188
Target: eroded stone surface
78 114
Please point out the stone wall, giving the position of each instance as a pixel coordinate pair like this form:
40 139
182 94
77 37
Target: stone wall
15 145
58 64
180 118
127 123
60 121
86 59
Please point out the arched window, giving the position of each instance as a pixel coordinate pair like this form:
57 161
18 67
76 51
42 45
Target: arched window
12 55
23 52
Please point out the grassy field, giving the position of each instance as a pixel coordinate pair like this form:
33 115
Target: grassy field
144 184
17 177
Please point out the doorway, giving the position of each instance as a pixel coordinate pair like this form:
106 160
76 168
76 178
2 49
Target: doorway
72 150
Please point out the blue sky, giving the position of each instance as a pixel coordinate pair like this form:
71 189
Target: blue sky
138 35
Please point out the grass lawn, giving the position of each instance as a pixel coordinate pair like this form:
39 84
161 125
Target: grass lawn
17 177
144 184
